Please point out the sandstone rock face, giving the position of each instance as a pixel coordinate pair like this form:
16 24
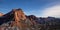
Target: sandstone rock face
1 14
19 16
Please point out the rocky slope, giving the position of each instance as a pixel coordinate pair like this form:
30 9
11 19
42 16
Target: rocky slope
17 20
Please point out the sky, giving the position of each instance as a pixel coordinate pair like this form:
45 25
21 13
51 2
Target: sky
39 8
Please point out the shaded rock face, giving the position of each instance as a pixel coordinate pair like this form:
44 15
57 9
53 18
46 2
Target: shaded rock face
32 18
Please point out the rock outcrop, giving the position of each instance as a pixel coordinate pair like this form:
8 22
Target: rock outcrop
32 18
1 14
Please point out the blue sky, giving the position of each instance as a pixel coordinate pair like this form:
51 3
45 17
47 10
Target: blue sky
34 7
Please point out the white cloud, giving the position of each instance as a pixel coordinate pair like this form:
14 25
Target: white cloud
53 11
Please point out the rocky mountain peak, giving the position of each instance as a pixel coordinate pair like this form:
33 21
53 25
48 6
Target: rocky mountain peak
18 17
19 14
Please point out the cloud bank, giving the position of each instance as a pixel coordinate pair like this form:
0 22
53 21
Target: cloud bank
53 11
